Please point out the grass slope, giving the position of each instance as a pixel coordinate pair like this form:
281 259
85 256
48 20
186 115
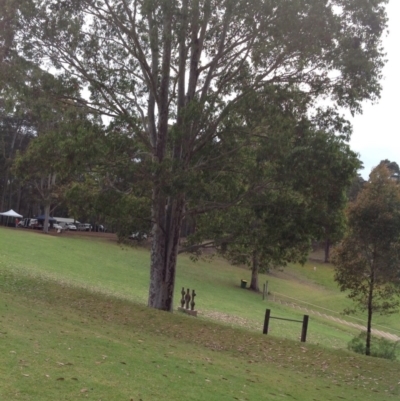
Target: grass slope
73 324
62 342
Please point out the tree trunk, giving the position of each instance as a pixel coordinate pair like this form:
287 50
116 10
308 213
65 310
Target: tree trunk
5 188
10 196
46 218
167 217
369 322
327 250
19 198
254 272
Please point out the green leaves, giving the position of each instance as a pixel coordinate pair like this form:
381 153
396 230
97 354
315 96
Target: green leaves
367 261
184 78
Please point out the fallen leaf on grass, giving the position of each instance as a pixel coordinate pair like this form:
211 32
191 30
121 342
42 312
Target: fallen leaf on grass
84 390
24 374
60 379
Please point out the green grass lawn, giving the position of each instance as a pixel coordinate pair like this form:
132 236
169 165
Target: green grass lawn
111 269
73 324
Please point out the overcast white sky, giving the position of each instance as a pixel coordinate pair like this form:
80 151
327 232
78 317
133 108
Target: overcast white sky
376 131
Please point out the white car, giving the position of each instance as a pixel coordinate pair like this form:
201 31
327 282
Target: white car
138 236
71 227
84 227
34 223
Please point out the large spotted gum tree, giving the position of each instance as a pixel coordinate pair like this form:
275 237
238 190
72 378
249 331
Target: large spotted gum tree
174 70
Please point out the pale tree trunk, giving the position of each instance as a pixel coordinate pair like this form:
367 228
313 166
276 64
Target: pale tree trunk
164 251
10 196
254 272
168 213
46 188
7 173
327 250
46 218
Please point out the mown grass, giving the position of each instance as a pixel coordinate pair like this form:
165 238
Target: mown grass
111 269
60 342
73 324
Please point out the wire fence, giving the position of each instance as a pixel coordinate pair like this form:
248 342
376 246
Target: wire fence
329 313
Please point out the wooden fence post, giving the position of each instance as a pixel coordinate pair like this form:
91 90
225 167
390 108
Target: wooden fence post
304 329
266 321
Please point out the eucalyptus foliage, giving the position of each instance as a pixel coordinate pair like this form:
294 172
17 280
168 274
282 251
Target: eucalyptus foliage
175 70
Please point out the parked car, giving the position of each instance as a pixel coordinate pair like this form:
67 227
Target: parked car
57 226
35 224
23 223
71 227
84 227
64 226
138 236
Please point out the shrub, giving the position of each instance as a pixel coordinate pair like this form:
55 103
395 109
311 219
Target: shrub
380 347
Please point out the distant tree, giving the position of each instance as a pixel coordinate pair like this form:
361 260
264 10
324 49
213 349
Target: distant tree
104 190
324 167
355 188
15 124
298 177
393 167
269 232
56 156
16 131
367 262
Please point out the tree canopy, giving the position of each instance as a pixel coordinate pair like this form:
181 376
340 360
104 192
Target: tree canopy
174 71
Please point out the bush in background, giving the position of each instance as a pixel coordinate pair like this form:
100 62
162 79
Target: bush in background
380 347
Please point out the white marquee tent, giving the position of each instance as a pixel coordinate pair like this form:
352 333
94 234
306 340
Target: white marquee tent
11 213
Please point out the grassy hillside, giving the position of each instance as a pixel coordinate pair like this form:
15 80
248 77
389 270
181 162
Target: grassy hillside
73 323
108 268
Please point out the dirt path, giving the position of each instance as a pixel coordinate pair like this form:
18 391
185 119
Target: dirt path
380 333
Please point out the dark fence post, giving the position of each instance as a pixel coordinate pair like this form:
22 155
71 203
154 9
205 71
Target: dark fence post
304 329
266 321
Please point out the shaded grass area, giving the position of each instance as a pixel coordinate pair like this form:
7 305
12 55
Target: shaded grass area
63 342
